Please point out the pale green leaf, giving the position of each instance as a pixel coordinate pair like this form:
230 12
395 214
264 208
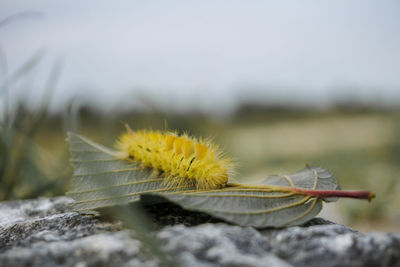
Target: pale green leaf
262 208
102 179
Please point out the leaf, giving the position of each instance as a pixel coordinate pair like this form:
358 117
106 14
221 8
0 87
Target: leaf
101 178
323 180
254 206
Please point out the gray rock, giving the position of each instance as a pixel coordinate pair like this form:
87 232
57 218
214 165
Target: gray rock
218 244
44 232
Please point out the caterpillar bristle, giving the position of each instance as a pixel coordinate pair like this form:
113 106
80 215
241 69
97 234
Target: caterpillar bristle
182 160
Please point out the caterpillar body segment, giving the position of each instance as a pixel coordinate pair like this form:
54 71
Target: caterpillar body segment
182 160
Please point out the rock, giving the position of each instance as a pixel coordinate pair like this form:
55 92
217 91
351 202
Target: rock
218 244
318 245
44 232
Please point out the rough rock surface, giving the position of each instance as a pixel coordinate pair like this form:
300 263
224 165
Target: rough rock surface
44 232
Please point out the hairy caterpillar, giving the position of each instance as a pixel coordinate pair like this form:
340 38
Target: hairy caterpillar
185 161
182 160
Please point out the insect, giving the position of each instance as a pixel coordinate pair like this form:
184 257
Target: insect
181 159
187 162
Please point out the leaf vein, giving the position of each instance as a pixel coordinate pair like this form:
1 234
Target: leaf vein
131 194
305 213
117 185
305 199
239 195
105 172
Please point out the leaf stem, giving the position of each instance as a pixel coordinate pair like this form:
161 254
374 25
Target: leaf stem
335 193
311 192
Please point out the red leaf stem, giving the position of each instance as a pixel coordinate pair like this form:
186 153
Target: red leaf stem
334 193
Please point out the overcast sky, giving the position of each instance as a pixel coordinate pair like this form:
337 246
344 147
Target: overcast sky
208 54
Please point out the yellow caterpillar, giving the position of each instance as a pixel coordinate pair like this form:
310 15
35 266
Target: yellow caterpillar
181 160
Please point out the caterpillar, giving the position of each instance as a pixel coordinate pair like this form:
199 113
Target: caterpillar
181 159
185 161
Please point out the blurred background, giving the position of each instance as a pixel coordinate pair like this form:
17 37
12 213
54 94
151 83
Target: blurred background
277 84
